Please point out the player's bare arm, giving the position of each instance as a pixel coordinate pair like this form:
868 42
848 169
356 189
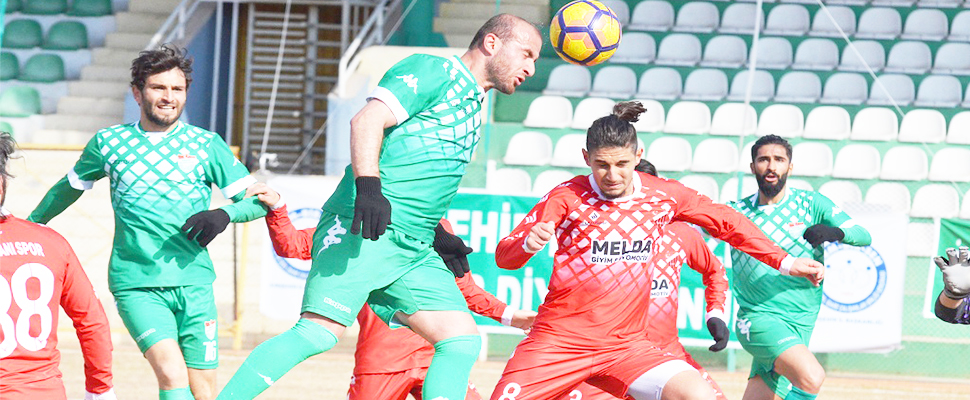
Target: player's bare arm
372 211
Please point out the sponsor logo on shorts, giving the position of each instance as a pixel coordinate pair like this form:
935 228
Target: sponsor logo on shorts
332 235
210 329
336 305
787 339
856 277
302 218
144 335
269 382
744 328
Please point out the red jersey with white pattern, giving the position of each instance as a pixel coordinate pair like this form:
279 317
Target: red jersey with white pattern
39 273
600 285
681 244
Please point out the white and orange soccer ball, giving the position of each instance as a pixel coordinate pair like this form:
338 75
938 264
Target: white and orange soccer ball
585 32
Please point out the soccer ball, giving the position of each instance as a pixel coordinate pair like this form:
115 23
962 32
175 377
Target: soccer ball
585 32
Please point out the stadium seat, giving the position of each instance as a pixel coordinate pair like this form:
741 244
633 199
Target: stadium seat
904 163
569 151
19 101
66 35
895 88
509 181
909 58
636 48
845 88
893 3
9 66
614 82
670 153
734 119
959 130
703 184
798 87
679 49
704 84
784 120
568 80
697 16
844 2
940 3
660 83
620 8
816 54
828 123
549 112
652 15
844 18
921 239
653 119
729 191
744 159
787 20
965 208
841 192
44 7
952 59
875 124
879 23
923 126
960 30
950 164
688 118
966 100
13 6
715 155
549 179
763 88
6 127
739 18
800 184
90 8
926 24
590 109
528 148
857 161
873 56
814 159
935 201
22 34
939 91
725 52
895 195
774 53
43 68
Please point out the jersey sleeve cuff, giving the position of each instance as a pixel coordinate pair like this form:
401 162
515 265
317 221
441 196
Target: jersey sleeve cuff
786 265
78 183
238 186
391 101
508 314
279 204
525 246
715 313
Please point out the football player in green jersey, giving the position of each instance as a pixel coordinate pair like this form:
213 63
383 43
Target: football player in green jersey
777 313
409 148
161 173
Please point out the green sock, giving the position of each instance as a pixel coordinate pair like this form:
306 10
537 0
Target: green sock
175 394
275 357
798 394
447 377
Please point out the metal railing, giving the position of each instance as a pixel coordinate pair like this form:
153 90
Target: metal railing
173 30
371 32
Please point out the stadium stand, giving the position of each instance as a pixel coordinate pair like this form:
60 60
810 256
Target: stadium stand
528 148
841 192
734 119
670 153
857 161
784 120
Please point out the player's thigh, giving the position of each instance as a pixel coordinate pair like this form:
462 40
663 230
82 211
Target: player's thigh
766 337
680 352
619 367
800 366
198 326
394 386
147 314
540 371
51 388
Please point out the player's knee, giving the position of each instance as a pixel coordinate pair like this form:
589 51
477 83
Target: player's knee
810 380
465 347
171 375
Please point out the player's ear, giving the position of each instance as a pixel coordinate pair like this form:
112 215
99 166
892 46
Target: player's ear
752 168
586 157
491 44
137 94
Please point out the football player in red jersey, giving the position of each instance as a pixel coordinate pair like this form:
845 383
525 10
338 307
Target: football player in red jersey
39 273
607 226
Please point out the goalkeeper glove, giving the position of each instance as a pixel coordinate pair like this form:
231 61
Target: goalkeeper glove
452 250
720 333
204 226
956 272
372 212
818 234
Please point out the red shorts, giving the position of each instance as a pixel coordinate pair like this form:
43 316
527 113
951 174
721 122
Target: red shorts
395 386
48 389
586 391
540 370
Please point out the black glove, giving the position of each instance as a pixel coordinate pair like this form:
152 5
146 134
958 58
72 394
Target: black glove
452 250
720 333
818 234
372 212
204 226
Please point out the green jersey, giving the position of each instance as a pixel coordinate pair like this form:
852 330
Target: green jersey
157 181
436 102
759 287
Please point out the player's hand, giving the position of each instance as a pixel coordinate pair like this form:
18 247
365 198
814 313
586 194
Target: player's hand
109 395
452 250
523 319
372 212
204 226
540 234
956 272
808 268
819 233
720 333
264 193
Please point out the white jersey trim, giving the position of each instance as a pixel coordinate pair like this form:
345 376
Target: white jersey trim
390 100
507 315
238 186
78 183
786 265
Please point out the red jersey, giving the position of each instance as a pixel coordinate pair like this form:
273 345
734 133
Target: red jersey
380 349
600 285
38 273
682 243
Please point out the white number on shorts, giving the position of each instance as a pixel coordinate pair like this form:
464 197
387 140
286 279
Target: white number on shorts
511 390
575 395
20 332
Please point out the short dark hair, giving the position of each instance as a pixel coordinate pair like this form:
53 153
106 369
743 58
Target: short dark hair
615 130
646 167
151 62
770 139
502 25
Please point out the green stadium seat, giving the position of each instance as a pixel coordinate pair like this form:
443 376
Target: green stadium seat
6 127
19 101
90 8
43 68
67 35
44 7
9 66
13 6
22 34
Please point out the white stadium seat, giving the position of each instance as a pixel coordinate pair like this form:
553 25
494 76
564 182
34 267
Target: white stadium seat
857 161
614 82
798 87
669 153
660 83
926 24
828 123
896 88
703 184
653 119
739 18
715 155
811 159
965 207
734 119
935 201
895 195
697 16
922 126
568 80
952 59
816 54
844 18
621 9
960 29
784 120
688 118
528 148
705 84
774 53
589 110
569 151
939 91
763 88
652 15
904 163
725 52
845 88
950 164
909 58
549 179
959 130
787 20
729 190
549 112
879 23
509 181
841 192
679 49
800 184
875 124
636 48
872 52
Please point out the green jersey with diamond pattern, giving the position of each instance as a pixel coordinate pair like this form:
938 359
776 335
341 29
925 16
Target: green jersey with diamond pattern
759 287
436 102
157 181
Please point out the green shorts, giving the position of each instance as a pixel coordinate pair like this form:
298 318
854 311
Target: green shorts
395 273
766 336
186 314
